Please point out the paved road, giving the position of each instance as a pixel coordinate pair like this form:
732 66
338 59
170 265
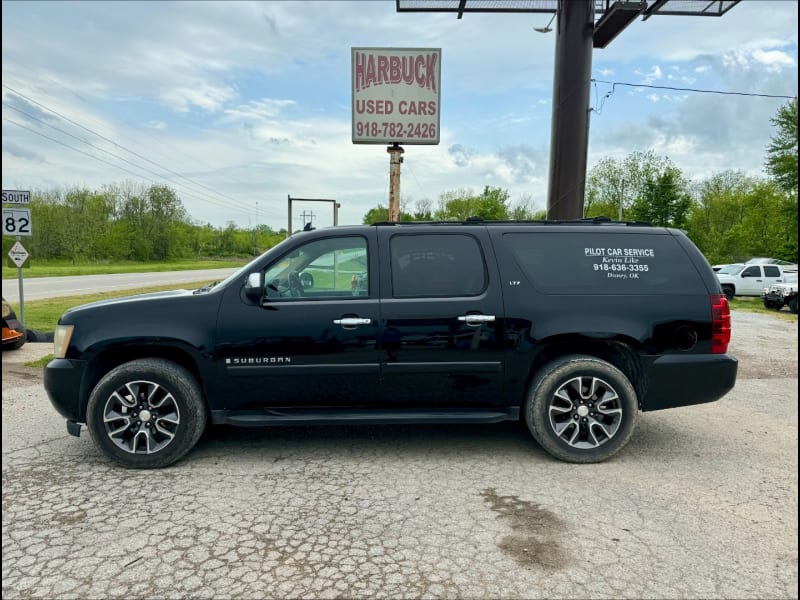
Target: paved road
701 504
37 288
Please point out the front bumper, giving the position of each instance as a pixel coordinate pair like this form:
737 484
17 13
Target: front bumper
62 380
682 380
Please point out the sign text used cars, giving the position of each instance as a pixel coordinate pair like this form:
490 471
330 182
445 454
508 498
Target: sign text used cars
396 95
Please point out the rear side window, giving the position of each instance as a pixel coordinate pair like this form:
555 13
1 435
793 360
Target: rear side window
436 265
604 263
772 272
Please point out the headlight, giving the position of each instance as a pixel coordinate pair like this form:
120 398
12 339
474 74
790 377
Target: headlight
61 339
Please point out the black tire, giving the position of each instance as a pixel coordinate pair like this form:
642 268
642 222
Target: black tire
171 403
793 305
728 291
772 305
599 430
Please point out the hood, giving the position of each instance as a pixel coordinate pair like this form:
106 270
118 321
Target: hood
137 298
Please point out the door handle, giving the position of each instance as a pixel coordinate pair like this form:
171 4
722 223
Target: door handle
475 320
351 322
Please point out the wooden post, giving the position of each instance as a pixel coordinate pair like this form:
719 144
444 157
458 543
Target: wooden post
395 158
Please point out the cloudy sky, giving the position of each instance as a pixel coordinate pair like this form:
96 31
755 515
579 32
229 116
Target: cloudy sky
237 105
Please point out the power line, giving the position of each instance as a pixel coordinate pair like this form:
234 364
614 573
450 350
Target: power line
118 157
699 91
129 123
52 139
20 94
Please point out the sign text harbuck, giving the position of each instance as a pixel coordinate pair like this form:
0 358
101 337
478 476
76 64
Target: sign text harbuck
396 95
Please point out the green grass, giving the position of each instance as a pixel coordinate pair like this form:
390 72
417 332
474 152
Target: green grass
757 305
62 268
41 362
43 315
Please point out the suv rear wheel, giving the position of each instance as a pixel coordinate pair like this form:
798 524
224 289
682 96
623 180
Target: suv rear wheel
146 413
581 409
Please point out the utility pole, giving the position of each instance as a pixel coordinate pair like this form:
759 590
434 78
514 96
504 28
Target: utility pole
255 233
621 196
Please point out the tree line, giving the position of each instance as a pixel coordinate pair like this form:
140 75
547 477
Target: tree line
131 222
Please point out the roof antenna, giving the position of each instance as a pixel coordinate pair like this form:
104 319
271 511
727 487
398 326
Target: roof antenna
308 227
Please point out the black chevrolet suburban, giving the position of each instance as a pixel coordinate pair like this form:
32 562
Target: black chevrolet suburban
572 327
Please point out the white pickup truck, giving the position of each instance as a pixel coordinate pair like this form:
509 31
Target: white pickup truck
749 280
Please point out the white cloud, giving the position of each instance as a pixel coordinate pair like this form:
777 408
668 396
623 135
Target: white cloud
773 58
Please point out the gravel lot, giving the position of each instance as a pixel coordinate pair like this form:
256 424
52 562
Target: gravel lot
701 504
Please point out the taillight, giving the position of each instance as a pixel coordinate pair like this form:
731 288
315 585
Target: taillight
720 324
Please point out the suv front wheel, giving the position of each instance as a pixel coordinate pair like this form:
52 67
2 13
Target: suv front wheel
581 409
146 413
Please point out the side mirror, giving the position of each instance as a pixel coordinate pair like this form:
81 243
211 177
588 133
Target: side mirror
254 286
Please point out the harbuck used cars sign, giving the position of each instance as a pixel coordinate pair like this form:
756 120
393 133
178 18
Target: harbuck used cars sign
396 95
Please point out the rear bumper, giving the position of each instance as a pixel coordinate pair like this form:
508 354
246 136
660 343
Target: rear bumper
682 380
62 381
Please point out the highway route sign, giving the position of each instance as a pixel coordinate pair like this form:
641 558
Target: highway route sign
17 221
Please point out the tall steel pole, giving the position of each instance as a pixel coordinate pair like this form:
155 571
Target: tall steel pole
569 135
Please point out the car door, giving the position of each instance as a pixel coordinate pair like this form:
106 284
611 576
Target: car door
312 340
441 330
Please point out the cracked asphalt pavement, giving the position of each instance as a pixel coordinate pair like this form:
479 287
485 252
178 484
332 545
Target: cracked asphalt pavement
701 504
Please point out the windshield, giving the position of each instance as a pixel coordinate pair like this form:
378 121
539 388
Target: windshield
730 269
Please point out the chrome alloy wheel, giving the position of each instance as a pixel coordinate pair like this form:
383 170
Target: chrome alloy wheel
141 417
585 412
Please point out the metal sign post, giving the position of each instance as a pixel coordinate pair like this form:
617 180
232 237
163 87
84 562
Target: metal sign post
336 207
17 222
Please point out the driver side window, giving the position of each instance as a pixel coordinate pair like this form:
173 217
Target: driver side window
323 269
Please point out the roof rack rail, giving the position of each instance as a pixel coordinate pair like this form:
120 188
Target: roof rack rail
481 221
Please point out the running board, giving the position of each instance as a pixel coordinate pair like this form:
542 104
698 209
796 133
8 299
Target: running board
365 416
